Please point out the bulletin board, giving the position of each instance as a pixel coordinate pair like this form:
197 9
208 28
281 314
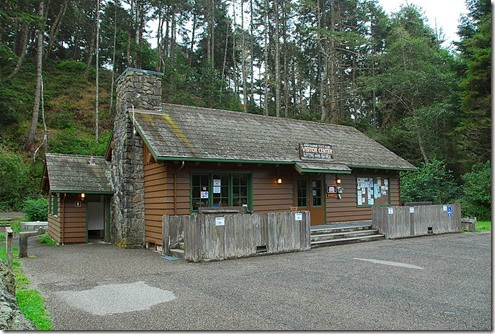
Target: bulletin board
372 191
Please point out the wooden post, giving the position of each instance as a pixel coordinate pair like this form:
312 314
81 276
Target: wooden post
10 237
23 244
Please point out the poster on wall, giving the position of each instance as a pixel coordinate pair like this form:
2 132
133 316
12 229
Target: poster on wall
216 190
359 198
217 182
204 195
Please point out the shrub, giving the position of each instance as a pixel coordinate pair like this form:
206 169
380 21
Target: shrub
71 65
431 182
12 179
36 209
476 200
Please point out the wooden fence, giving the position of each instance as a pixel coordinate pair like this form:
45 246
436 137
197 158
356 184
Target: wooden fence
406 221
222 236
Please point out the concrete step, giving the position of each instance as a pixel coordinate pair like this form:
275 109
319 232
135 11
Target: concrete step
180 245
342 241
339 229
341 235
177 252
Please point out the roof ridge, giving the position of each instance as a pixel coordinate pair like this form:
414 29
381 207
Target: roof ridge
75 155
283 119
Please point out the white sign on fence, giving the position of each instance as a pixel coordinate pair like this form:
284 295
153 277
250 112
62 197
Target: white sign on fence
445 208
390 211
219 221
411 210
298 216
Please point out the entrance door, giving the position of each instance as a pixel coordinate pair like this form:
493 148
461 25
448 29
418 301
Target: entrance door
310 196
316 204
96 219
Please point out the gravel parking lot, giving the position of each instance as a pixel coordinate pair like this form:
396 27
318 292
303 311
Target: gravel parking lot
428 283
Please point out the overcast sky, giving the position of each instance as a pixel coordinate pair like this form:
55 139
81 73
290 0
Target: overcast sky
445 12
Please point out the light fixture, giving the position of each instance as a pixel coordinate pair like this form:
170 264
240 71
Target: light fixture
83 195
338 180
279 180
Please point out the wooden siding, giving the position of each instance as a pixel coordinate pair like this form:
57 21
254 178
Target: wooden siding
346 209
155 198
74 221
269 196
54 225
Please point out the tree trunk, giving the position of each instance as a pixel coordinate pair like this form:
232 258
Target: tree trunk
243 61
193 36
251 63
277 59
97 67
39 68
265 110
113 54
158 36
22 55
286 66
234 61
55 28
90 54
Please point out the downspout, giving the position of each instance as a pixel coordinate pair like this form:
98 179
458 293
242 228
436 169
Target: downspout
175 186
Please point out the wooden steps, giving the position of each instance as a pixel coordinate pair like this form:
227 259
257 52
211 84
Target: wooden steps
338 235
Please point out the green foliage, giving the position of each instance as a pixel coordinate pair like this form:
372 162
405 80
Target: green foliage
431 182
71 66
483 226
46 239
12 179
30 301
36 209
477 199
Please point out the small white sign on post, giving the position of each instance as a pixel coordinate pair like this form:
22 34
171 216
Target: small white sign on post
411 210
390 211
219 221
445 208
298 216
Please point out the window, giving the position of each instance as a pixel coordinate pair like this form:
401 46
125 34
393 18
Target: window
373 191
200 191
240 189
219 190
302 193
54 204
316 192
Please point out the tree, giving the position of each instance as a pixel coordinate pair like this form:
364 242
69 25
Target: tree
39 68
477 199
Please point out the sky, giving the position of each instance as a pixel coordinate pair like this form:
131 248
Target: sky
446 13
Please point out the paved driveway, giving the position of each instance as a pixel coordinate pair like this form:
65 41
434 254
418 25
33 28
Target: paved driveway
428 283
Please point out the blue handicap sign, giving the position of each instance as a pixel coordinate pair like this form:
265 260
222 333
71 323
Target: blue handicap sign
449 211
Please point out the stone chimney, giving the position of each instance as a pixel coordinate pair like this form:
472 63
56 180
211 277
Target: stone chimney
138 89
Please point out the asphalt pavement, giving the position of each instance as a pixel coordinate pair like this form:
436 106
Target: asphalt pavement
427 283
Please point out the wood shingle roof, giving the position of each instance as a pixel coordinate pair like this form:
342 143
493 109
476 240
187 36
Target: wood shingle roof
78 174
202 134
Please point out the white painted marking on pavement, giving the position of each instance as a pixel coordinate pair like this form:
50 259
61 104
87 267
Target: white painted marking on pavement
390 263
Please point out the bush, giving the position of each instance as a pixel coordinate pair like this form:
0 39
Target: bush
476 200
71 65
431 182
12 179
36 209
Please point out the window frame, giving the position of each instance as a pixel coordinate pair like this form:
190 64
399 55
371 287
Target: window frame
230 175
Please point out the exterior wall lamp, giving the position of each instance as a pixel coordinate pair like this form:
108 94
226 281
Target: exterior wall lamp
83 195
338 181
279 180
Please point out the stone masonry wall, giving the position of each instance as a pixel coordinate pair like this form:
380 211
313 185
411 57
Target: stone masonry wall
141 89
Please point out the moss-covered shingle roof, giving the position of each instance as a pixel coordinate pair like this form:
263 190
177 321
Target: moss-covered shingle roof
75 174
193 133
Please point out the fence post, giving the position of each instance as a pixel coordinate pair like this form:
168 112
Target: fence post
10 237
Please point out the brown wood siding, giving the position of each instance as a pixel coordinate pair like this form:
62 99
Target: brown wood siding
269 196
74 221
155 192
346 209
54 228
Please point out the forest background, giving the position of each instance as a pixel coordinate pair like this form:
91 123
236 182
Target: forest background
337 61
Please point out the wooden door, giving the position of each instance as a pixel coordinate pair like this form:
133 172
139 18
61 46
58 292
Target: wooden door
317 200
310 196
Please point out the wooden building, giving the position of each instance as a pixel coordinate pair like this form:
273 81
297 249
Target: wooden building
185 159
198 157
79 192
